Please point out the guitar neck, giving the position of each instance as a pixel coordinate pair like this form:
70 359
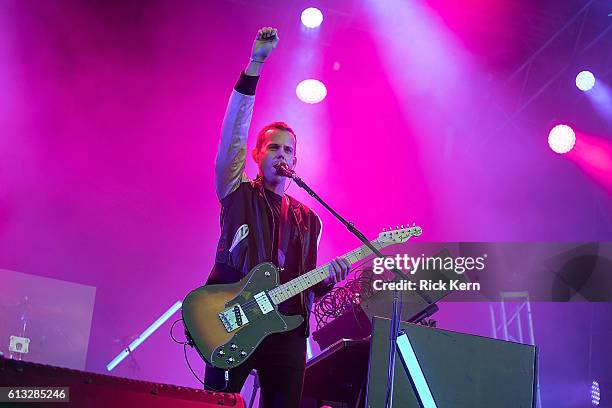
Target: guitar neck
309 279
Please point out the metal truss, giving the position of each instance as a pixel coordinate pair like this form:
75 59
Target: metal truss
515 322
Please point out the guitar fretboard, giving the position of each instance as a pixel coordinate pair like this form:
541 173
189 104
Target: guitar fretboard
309 279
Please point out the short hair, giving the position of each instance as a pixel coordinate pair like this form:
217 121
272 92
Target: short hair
273 125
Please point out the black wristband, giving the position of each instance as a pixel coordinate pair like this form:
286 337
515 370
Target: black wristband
246 84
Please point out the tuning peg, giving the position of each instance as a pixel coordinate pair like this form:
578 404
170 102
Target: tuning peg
402 226
384 229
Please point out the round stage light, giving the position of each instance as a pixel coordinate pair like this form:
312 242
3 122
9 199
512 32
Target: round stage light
312 17
311 91
595 396
585 81
561 139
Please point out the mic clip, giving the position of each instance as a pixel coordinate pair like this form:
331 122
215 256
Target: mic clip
282 169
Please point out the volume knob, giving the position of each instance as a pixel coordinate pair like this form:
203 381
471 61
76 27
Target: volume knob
230 360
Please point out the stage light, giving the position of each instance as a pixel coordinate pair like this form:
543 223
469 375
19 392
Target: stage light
311 91
414 370
561 139
143 336
585 80
308 349
312 17
595 396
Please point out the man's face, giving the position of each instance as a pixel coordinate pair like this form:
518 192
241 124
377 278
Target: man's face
278 146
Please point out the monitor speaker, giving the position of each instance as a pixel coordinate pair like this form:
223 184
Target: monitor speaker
460 370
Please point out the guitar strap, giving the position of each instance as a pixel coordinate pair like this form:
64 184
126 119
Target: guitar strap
284 231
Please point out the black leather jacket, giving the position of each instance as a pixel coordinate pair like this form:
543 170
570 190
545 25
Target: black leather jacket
246 233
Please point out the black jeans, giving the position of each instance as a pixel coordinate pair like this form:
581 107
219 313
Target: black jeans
280 361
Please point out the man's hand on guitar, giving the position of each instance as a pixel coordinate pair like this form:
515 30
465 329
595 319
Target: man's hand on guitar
339 268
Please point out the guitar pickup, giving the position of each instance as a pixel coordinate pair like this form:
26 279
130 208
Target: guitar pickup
264 302
233 318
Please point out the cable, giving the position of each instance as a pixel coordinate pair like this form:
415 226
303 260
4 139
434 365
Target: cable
342 298
189 342
172 334
189 365
206 387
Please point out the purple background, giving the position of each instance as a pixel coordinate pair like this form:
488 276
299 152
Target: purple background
110 115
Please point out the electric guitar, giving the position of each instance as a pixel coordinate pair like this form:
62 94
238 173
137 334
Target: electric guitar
227 322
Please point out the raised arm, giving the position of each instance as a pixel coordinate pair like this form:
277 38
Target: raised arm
231 154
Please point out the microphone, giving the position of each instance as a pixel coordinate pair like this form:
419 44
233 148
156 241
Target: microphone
282 169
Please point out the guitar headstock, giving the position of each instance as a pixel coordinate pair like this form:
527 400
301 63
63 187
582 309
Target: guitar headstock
399 235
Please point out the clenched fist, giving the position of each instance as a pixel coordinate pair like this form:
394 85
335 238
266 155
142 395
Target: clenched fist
265 42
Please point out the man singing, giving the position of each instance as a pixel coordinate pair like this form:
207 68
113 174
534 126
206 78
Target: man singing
260 223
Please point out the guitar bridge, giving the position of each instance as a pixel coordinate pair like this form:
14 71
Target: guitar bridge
233 318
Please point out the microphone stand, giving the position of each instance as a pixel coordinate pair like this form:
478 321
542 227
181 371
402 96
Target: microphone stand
284 170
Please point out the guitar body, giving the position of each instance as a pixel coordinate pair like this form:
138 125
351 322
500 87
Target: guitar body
227 322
